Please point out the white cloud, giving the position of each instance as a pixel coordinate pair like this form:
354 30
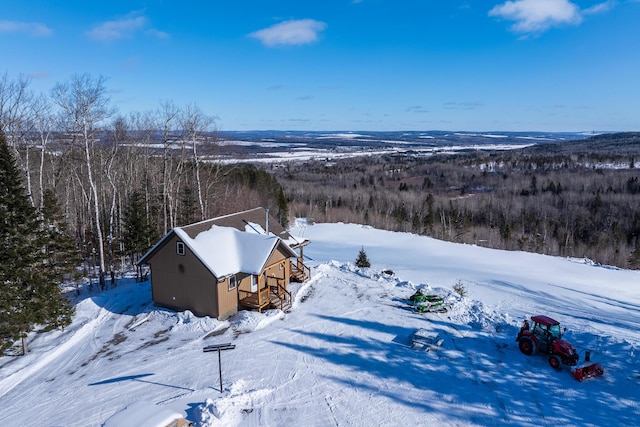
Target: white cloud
118 29
533 16
32 28
294 32
158 34
124 28
600 8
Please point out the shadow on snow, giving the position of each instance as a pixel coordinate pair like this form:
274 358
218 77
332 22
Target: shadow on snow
477 375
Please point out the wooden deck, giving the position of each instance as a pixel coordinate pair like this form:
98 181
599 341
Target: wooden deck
269 297
275 295
255 300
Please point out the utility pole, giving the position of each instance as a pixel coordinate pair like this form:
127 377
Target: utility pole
219 348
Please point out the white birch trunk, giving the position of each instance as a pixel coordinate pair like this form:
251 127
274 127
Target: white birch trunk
96 204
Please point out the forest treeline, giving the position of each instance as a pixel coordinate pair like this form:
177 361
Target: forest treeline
543 199
123 181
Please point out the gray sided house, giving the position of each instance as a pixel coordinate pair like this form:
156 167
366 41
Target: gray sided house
218 266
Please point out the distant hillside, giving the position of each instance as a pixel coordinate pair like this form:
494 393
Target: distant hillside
621 143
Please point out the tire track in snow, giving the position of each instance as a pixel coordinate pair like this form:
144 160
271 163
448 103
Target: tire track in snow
44 361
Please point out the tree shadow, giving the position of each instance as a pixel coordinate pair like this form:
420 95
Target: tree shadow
129 297
478 376
138 378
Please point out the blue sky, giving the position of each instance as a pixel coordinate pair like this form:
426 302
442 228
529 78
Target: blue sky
547 65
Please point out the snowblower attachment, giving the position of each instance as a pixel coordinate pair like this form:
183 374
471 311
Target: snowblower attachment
588 371
593 370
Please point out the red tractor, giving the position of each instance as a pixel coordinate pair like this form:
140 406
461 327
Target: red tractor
545 335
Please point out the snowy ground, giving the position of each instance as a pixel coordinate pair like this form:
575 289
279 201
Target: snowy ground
341 356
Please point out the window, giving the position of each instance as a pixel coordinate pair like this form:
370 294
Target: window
180 248
232 282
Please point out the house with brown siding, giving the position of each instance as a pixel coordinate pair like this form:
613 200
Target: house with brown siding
218 266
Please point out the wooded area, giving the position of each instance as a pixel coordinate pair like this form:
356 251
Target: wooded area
117 177
35 254
578 199
95 190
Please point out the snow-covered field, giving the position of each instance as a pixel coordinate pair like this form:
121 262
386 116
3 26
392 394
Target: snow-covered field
341 355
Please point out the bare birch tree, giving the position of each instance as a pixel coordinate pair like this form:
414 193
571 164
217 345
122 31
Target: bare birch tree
16 115
84 107
119 129
195 124
43 125
142 125
167 118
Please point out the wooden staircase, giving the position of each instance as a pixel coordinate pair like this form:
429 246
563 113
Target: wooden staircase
300 272
281 298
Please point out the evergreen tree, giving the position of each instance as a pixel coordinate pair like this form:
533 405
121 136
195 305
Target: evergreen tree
634 257
362 261
430 217
138 232
17 220
63 258
188 206
283 208
29 294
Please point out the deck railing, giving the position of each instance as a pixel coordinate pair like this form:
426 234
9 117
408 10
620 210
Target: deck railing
282 295
300 271
258 300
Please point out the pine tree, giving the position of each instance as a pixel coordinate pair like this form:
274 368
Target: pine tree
138 232
17 246
634 257
283 208
362 261
29 295
188 206
62 259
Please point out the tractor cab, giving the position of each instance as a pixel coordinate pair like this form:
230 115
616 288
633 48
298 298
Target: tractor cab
545 329
545 336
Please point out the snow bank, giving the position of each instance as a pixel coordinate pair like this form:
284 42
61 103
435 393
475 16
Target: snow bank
143 414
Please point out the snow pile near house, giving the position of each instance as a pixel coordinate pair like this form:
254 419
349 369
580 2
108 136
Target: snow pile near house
186 321
143 414
249 321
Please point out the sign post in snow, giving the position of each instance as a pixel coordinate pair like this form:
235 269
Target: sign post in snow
219 348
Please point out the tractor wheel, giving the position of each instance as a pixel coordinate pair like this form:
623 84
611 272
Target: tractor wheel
554 362
526 346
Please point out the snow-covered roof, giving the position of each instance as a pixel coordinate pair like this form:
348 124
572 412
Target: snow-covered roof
225 250
254 227
295 242
291 241
233 243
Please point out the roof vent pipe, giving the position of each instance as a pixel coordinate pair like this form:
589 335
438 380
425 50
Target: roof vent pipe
266 221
